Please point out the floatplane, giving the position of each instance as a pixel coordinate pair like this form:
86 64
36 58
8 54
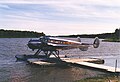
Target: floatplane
52 45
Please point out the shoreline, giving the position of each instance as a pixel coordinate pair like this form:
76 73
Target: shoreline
104 78
111 40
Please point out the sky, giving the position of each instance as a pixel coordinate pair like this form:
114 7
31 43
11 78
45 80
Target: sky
60 17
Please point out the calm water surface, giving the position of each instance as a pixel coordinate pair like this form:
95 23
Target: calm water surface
12 71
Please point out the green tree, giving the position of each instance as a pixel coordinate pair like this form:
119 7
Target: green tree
117 33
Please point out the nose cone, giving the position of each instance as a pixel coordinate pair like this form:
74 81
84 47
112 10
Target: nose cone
34 44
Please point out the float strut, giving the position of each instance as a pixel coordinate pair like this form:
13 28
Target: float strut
38 51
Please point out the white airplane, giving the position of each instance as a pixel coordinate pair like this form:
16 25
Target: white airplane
52 45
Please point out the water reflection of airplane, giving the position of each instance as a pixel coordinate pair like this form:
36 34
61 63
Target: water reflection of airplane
52 45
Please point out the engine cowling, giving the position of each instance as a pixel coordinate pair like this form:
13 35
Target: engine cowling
34 44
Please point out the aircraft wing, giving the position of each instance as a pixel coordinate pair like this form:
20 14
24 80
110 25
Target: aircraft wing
57 45
81 46
60 46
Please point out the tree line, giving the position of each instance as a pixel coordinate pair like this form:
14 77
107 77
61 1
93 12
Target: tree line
19 34
30 34
114 35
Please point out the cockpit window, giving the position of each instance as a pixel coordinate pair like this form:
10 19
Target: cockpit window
44 39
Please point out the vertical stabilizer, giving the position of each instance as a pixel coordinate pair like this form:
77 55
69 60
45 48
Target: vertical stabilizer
78 39
96 42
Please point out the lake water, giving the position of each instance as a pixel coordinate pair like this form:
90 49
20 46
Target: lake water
12 71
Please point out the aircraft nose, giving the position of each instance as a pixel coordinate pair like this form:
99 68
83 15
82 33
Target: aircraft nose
34 44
